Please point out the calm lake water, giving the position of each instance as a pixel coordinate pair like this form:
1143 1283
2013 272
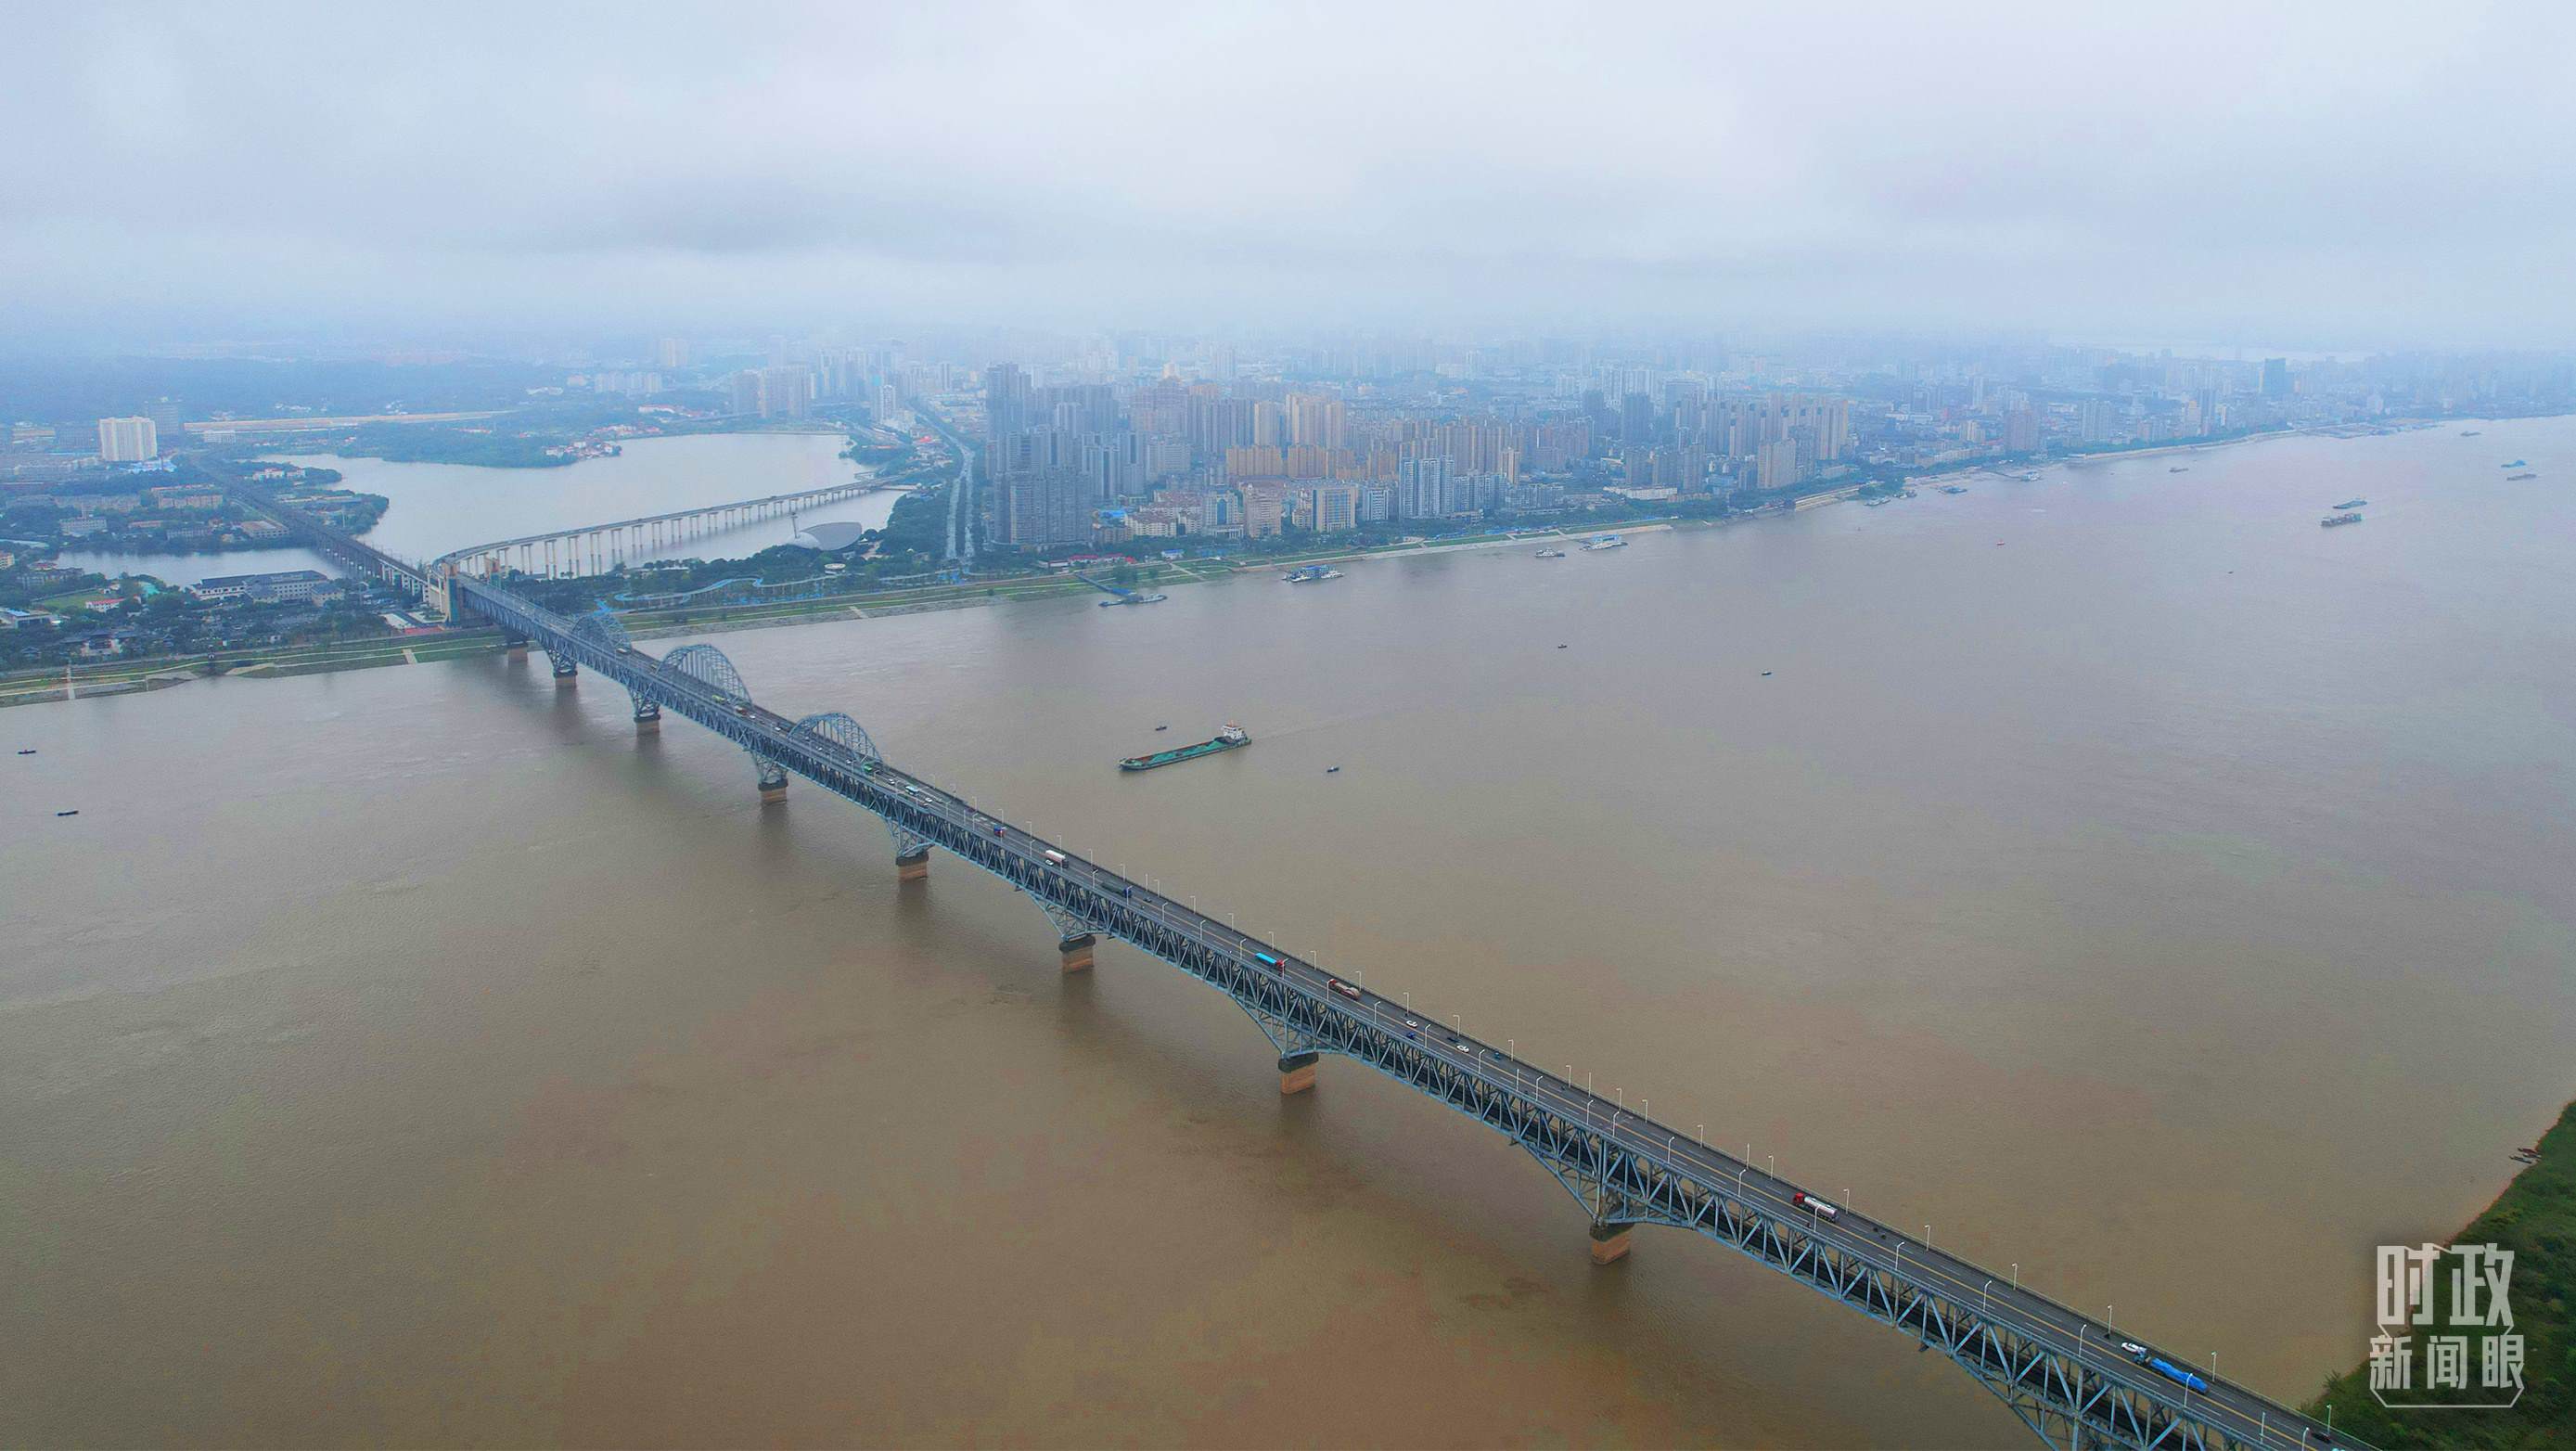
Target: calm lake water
439 507
2117 873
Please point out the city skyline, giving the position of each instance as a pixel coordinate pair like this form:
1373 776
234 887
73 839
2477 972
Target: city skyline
2280 180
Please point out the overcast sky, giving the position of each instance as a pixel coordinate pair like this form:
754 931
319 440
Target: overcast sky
2341 176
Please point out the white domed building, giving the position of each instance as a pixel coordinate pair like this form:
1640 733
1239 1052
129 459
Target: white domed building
832 537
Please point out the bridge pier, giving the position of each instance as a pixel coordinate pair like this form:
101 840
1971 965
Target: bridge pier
1297 1072
515 646
567 674
773 784
648 719
913 865
1610 1243
1076 951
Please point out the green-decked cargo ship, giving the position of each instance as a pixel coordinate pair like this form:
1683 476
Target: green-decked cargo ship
1224 740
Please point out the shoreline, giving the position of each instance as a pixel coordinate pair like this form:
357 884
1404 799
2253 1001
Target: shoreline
430 649
2530 1218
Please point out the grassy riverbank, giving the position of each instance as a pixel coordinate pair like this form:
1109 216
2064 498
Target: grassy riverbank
2535 1217
125 677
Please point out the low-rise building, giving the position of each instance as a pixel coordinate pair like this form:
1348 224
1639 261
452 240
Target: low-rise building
290 584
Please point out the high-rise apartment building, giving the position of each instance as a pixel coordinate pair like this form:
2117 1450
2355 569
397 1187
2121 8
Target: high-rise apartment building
1776 465
1637 419
1264 507
1044 507
2098 420
1337 508
1314 419
1008 403
1423 489
127 440
786 391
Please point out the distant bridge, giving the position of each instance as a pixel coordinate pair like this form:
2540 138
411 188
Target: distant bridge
338 544
597 548
2065 1375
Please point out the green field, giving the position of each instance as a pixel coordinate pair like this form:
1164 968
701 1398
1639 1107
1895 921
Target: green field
34 685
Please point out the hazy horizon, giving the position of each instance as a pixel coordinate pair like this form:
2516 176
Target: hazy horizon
2328 179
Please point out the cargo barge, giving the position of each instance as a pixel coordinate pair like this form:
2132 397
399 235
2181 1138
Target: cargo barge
1224 740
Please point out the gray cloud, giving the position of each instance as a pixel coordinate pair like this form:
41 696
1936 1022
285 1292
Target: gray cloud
2346 175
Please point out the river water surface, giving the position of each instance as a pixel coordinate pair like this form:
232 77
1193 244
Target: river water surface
2154 894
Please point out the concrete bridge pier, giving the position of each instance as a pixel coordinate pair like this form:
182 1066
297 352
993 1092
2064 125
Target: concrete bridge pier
567 674
773 784
1076 951
1297 1072
648 718
1610 1243
515 646
913 865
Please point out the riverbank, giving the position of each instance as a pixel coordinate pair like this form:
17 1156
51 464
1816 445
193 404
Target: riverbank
657 624
123 678
2535 1217
667 623
2206 445
84 682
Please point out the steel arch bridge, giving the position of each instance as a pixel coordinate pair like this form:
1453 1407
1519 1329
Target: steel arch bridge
2061 1373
